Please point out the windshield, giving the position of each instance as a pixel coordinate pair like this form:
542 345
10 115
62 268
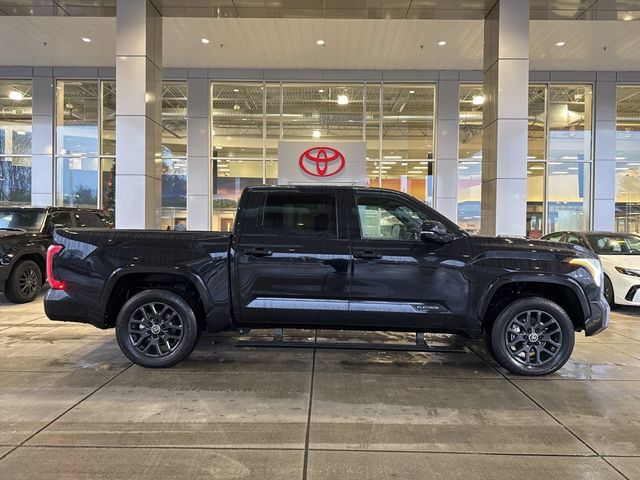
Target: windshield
615 244
21 220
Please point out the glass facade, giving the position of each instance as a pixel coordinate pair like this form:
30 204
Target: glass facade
470 155
627 217
15 142
249 118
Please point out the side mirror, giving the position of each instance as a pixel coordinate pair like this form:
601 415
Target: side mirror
434 231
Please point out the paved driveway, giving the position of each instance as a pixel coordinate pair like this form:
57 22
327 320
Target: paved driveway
72 406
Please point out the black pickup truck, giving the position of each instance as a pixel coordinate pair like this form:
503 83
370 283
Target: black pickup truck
331 258
25 235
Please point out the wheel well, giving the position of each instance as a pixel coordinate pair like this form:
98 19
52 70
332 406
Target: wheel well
134 283
560 294
38 259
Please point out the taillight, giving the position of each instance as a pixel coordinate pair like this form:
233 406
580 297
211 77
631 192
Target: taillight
53 282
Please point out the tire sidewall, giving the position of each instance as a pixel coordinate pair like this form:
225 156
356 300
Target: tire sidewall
611 299
180 306
13 292
500 349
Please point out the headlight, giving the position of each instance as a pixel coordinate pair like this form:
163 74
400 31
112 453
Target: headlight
592 265
628 271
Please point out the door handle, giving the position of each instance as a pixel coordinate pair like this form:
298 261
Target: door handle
258 252
367 255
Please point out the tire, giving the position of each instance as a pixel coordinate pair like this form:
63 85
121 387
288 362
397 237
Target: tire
24 283
156 329
609 294
532 336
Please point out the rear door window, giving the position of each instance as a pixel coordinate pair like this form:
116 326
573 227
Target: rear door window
88 220
299 215
62 218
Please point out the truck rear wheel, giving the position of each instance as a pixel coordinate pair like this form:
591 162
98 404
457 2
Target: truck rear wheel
24 283
532 336
156 328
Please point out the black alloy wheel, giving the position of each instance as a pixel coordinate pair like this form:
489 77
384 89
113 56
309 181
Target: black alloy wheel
608 293
24 283
156 328
532 336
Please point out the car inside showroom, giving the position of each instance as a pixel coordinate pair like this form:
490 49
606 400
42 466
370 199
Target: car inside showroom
320 239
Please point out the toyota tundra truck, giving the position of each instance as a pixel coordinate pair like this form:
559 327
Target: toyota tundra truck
345 258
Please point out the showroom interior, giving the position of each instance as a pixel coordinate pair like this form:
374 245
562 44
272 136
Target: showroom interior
512 118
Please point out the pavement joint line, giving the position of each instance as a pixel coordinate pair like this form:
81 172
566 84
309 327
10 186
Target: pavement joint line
615 468
622 351
65 412
305 462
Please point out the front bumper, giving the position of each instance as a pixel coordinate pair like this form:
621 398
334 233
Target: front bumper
599 319
626 290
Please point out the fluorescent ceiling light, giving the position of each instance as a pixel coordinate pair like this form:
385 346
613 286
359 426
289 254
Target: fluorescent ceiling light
316 134
21 132
536 168
463 167
442 43
15 95
205 41
560 44
393 157
320 43
321 90
86 39
343 99
478 99
236 90
412 91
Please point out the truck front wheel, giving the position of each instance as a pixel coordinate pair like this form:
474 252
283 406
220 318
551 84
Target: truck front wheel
156 328
532 336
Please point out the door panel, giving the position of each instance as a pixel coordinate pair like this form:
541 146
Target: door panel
294 268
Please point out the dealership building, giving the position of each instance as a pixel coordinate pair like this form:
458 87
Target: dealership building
510 117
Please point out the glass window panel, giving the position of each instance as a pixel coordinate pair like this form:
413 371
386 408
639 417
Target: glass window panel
568 195
570 122
15 122
628 197
408 122
174 119
469 189
300 215
373 122
108 130
230 177
77 117
471 101
108 184
237 120
537 122
322 111
174 193
536 174
15 180
373 173
412 177
628 123
77 181
273 96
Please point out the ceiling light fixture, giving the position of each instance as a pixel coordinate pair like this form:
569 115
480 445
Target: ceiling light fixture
560 44
320 43
236 90
628 17
205 41
321 90
315 134
86 39
16 96
343 99
412 91
477 99
442 43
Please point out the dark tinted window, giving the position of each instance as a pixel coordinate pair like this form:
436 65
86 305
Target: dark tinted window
29 220
61 218
88 219
299 214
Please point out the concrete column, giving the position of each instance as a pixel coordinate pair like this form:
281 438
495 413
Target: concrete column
138 114
198 163
604 159
447 119
42 164
505 112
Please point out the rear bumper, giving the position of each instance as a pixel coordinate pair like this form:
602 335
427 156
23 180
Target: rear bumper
599 319
60 306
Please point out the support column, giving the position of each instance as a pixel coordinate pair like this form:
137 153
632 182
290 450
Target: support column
505 112
42 164
604 160
138 114
447 119
198 162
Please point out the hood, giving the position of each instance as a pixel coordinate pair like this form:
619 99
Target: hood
7 234
609 262
518 246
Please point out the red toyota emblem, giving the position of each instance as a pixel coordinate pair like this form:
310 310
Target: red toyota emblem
322 161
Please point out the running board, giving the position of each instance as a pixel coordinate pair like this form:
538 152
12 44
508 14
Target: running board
420 346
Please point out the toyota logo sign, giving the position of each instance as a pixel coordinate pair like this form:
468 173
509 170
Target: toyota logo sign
322 161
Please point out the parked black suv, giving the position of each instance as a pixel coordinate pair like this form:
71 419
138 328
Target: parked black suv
328 257
25 234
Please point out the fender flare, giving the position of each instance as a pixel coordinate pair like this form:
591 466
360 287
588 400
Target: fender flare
551 278
125 271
